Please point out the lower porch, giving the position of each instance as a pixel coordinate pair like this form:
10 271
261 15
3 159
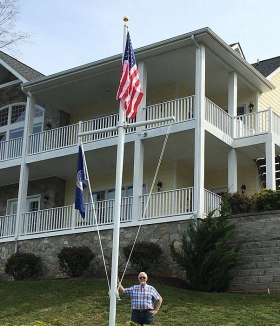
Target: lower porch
158 207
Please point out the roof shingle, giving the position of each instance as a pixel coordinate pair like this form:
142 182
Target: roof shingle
266 67
24 70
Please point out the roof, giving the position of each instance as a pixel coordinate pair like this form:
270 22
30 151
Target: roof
25 71
268 66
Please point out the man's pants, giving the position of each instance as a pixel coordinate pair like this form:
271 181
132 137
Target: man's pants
142 317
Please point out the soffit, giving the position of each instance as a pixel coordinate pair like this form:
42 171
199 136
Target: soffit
168 61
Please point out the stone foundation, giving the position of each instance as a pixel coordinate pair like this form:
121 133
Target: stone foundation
48 248
260 251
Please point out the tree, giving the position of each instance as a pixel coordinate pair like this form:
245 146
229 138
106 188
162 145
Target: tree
9 37
206 253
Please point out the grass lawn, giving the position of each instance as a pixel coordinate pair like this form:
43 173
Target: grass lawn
85 302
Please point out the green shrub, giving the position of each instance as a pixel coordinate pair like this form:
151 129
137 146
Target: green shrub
266 200
206 253
23 266
237 203
75 260
144 255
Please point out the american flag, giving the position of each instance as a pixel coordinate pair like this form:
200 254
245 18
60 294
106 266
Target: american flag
129 92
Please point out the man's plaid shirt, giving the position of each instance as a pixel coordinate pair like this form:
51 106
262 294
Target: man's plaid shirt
142 297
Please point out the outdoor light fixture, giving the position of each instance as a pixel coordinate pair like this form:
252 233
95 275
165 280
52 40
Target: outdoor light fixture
251 106
159 185
49 125
243 188
46 198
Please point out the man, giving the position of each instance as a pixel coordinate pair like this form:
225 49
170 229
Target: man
142 300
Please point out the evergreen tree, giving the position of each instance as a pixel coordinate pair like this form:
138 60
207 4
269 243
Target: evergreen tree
206 252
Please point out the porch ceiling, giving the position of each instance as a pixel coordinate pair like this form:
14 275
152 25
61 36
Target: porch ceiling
180 147
167 62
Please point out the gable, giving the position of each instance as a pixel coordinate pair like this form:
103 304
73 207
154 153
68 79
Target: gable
237 48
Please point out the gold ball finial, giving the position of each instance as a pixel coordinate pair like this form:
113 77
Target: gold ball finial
125 19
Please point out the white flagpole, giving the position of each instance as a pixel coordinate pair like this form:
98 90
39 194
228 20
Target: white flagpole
117 208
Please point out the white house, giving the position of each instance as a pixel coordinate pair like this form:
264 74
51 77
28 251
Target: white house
227 117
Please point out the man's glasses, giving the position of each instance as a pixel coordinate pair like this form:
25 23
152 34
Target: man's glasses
142 277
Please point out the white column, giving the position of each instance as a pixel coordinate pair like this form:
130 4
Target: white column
232 170
139 148
232 98
270 165
24 169
199 131
257 95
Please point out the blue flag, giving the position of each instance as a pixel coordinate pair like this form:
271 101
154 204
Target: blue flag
81 183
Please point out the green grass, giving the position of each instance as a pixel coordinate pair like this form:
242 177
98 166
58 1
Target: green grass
83 302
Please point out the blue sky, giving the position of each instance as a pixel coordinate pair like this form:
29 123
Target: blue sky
69 33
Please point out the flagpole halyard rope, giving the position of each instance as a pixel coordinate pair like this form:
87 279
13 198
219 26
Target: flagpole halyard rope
150 193
95 218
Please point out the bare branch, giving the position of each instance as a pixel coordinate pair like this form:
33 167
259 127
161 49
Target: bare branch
9 37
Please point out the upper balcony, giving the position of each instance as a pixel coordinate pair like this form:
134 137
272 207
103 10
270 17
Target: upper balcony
222 125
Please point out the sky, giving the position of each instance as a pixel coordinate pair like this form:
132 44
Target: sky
70 33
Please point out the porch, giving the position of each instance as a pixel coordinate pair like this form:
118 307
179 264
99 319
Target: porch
174 204
247 125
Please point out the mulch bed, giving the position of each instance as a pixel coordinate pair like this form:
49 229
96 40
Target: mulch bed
164 280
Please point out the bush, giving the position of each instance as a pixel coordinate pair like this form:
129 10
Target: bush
23 266
75 260
237 203
266 200
206 253
144 255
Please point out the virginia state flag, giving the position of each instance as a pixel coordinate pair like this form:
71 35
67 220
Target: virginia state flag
81 183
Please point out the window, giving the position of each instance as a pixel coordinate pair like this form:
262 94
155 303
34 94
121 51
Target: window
18 113
127 191
16 133
241 109
2 137
32 205
12 121
4 117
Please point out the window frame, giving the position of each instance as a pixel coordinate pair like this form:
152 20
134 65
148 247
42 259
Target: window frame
17 125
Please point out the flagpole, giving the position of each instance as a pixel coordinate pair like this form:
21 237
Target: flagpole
117 208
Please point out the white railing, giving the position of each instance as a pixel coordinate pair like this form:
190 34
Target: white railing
161 204
54 219
7 225
212 202
54 139
182 109
103 212
101 123
68 136
218 117
10 149
63 218
251 124
168 203
275 124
